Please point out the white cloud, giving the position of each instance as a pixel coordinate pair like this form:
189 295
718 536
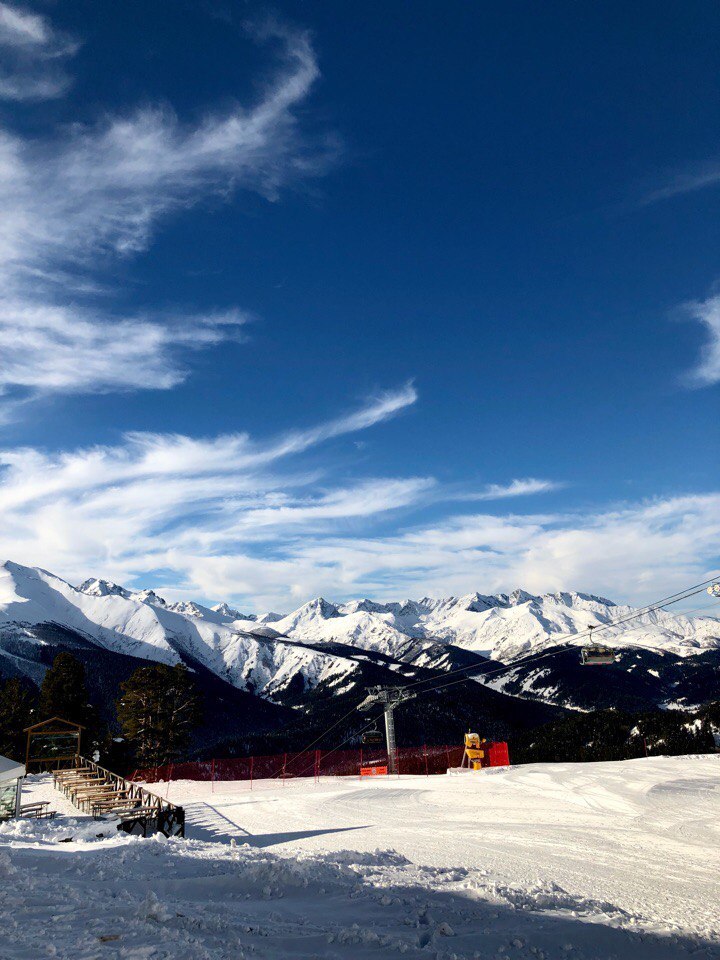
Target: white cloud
52 348
707 371
94 192
234 518
32 56
691 180
516 488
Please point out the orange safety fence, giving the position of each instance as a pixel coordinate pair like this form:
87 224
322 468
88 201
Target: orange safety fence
420 761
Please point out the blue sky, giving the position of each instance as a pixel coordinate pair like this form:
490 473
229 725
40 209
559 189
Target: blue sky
386 299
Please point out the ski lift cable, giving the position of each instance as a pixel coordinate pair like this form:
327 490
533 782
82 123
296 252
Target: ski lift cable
508 667
478 668
341 744
330 729
707 606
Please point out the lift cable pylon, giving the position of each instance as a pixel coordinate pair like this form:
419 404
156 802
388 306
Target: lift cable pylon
388 698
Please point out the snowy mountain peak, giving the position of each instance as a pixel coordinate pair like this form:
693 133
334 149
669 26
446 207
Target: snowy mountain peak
577 599
319 607
520 596
102 588
364 605
187 608
148 596
476 602
230 613
106 588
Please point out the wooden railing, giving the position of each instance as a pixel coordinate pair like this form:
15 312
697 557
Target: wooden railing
99 791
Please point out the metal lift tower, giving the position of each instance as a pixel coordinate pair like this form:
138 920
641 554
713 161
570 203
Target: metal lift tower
388 698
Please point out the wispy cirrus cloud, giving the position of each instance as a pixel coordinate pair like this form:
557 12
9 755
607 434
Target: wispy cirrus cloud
117 505
516 488
232 517
45 347
85 195
707 371
691 180
242 510
33 55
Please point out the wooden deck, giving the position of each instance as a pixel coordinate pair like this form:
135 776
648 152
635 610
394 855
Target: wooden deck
99 792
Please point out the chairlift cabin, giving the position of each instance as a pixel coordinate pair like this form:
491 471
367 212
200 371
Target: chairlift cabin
594 654
373 737
597 655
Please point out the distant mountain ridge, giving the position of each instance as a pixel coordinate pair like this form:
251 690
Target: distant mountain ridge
503 627
323 646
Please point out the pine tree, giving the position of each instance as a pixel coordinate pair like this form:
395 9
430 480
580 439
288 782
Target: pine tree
158 711
63 692
18 699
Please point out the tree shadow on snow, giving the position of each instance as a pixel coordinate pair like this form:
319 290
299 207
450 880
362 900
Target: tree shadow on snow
205 822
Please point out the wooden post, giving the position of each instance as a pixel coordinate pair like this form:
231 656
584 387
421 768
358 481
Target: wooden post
251 771
317 766
426 760
360 770
284 765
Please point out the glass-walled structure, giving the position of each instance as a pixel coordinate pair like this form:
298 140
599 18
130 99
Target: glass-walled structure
52 744
11 778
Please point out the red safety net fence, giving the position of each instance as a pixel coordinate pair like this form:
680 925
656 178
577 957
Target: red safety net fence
421 761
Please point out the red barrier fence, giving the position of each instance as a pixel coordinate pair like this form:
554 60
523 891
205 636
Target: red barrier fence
425 760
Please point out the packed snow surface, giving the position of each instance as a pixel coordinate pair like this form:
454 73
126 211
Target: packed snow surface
541 862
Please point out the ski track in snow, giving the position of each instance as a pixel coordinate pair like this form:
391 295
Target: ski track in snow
570 861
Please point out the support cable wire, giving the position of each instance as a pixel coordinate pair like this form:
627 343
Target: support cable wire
338 747
478 668
329 729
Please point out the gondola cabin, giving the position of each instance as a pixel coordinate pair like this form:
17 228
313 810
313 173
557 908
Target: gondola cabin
597 656
373 738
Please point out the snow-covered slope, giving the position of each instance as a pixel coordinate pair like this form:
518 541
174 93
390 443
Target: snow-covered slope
557 861
321 622
143 625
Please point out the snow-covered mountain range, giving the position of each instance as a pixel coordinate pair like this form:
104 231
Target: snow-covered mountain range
142 625
269 654
503 627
